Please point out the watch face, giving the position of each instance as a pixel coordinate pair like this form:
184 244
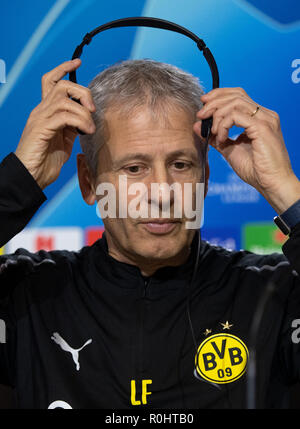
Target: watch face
282 225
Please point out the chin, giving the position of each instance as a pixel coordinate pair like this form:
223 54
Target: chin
159 248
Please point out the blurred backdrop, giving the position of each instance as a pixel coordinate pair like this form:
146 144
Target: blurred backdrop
256 44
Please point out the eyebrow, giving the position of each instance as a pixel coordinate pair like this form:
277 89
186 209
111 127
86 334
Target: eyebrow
147 158
130 157
184 152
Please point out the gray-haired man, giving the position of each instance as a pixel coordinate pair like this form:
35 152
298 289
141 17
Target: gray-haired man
126 296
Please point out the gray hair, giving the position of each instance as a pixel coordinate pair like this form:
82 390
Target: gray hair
132 84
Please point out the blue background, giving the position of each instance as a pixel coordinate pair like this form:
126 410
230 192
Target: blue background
254 43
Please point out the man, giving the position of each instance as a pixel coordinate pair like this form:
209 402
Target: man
121 323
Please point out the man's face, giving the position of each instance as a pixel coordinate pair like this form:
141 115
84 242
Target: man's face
149 152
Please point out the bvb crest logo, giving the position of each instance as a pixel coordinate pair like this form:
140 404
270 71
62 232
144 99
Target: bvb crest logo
221 358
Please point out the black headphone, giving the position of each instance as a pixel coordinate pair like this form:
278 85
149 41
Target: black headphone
155 23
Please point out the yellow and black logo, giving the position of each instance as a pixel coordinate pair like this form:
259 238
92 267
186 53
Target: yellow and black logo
221 358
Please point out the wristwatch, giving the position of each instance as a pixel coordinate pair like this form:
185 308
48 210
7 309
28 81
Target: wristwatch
288 219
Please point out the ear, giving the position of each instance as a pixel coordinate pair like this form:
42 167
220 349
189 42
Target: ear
85 179
206 178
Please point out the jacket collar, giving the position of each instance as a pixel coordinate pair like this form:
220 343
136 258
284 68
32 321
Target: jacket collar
129 276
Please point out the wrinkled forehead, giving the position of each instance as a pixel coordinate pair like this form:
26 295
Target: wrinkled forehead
148 130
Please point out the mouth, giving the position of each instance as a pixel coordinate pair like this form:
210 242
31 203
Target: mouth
160 226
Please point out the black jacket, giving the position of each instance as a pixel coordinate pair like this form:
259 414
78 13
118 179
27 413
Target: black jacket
85 330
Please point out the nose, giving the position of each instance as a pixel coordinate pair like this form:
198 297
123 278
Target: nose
160 197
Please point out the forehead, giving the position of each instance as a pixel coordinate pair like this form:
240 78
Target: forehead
149 132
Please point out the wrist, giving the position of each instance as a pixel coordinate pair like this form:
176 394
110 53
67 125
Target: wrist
284 195
33 173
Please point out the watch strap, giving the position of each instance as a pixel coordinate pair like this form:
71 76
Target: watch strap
288 219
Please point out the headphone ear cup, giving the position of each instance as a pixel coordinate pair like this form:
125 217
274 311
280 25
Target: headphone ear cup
206 126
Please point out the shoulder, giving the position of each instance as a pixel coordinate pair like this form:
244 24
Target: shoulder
23 266
244 260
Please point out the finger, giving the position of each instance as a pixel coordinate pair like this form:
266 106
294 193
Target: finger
66 119
211 106
261 115
223 107
211 100
239 105
219 92
50 79
67 105
238 119
68 89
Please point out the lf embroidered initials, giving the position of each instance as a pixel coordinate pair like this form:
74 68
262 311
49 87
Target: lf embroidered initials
145 393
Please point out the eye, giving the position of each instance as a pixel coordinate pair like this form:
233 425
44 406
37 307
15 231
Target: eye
134 169
181 165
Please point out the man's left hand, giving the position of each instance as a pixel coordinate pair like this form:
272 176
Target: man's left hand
259 155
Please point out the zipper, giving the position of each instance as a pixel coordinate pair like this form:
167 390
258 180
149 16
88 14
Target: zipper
146 284
141 366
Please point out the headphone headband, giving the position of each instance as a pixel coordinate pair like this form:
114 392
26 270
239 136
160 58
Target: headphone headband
142 21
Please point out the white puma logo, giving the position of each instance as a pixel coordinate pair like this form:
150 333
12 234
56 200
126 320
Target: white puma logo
65 346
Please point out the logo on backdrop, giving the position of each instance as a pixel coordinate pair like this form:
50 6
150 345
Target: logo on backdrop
228 237
263 238
233 191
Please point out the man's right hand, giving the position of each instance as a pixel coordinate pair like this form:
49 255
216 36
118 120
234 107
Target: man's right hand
48 137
